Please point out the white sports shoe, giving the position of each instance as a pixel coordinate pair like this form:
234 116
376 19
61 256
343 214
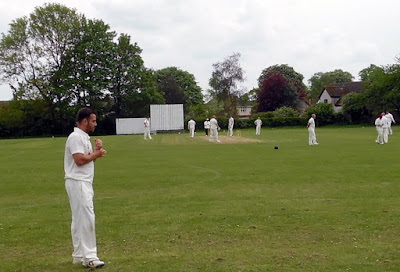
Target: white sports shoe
94 264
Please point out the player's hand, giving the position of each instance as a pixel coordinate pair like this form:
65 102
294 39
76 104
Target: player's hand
98 144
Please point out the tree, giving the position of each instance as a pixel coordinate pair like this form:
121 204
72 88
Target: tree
132 87
371 72
31 54
291 76
354 107
382 90
169 87
178 86
324 111
292 88
225 81
277 92
86 71
60 57
32 51
319 80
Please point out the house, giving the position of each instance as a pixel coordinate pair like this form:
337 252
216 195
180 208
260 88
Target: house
244 110
333 93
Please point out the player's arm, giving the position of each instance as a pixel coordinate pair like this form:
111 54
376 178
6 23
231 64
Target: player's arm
81 159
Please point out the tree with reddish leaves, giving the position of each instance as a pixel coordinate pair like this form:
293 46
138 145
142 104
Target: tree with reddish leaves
276 91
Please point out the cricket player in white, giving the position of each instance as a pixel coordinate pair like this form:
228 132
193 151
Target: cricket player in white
258 124
147 128
191 127
379 129
385 128
389 116
214 127
231 122
79 172
312 138
207 126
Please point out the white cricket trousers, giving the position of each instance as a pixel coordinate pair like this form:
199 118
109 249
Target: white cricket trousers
312 138
380 135
83 232
230 131
213 134
385 133
191 132
258 130
147 133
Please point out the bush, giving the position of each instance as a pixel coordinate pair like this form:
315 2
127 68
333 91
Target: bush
263 115
325 113
283 122
286 112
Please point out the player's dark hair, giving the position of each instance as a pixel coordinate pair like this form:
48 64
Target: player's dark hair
84 114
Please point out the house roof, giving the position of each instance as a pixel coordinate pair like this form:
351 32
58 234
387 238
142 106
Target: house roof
247 104
338 90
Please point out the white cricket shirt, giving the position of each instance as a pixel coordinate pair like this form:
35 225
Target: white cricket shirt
312 123
78 142
213 123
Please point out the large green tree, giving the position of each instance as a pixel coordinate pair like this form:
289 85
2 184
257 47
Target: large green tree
132 87
178 86
31 54
86 69
370 73
225 81
382 89
319 80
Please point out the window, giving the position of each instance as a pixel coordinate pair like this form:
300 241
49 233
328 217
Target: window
242 109
325 100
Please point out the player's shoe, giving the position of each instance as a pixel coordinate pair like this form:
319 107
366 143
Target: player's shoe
94 264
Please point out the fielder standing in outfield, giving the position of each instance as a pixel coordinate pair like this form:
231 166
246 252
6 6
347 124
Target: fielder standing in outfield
79 172
191 127
231 122
258 124
385 128
312 138
214 127
207 126
147 128
389 116
379 129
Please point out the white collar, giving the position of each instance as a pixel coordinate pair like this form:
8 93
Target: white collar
80 131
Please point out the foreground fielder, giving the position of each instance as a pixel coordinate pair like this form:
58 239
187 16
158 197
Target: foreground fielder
79 171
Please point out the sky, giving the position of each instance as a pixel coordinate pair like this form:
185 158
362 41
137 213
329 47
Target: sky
309 35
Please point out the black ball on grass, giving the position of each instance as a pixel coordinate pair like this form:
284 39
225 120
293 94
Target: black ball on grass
276 147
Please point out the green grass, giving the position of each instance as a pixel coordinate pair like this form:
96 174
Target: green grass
182 204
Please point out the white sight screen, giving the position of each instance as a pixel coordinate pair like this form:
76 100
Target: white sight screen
129 125
166 117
